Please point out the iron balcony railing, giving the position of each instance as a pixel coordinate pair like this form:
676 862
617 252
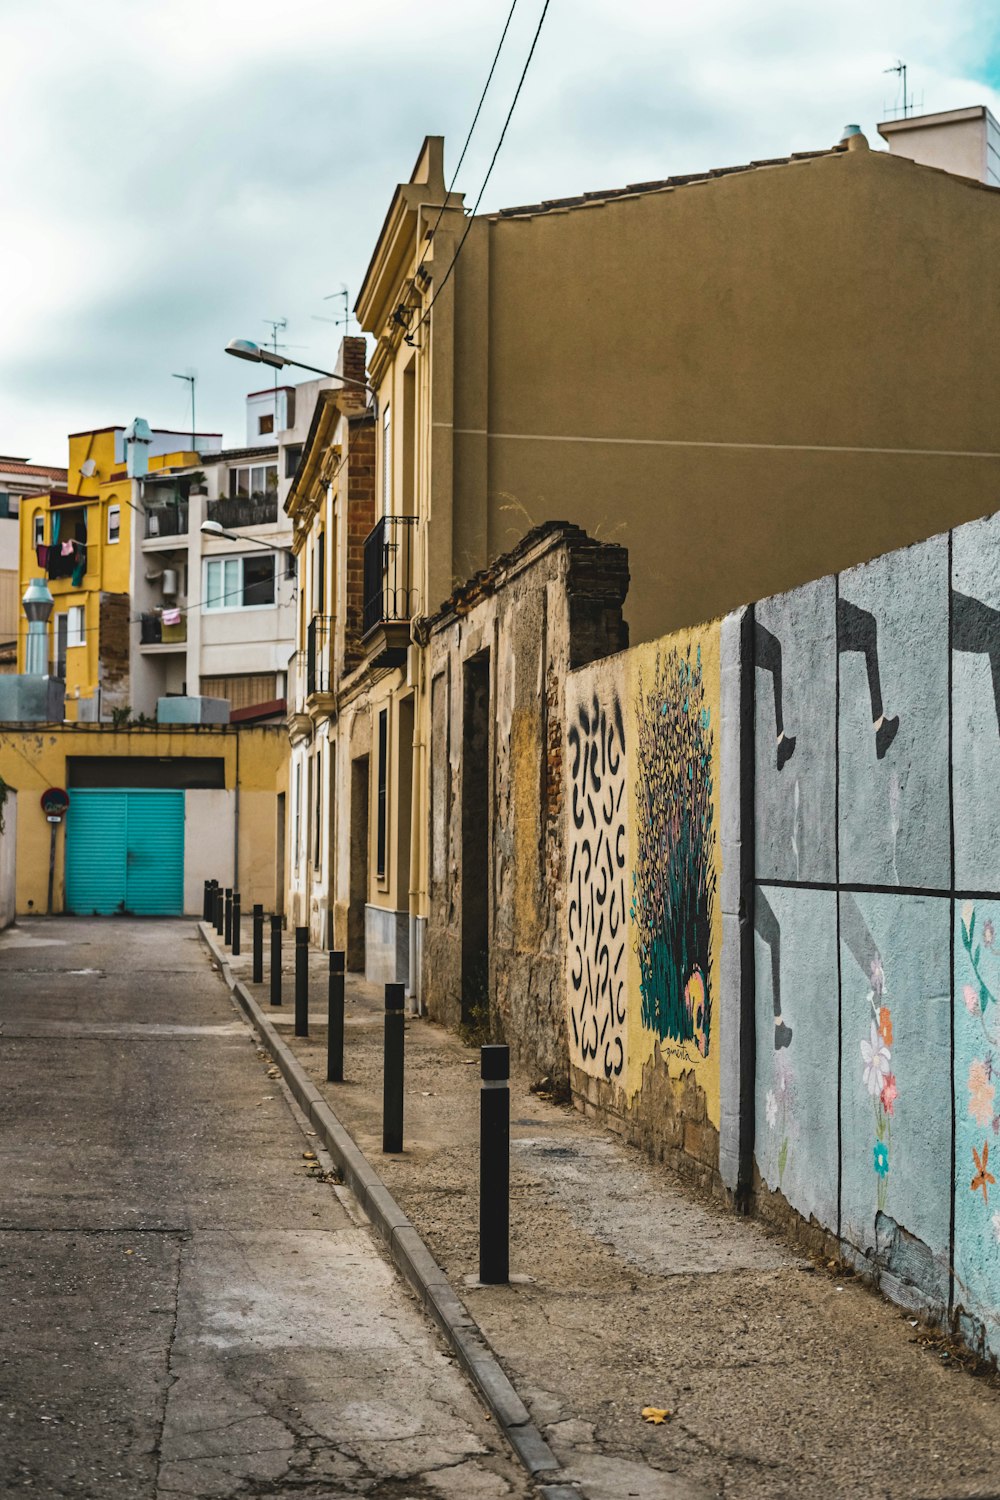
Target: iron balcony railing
236 511
390 593
319 654
154 632
167 519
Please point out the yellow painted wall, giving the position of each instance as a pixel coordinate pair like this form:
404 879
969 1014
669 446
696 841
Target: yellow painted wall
32 760
108 563
644 862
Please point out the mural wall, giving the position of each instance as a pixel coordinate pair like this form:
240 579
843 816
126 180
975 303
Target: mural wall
876 911
643 861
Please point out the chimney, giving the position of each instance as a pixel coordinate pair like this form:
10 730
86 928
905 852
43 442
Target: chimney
963 141
351 363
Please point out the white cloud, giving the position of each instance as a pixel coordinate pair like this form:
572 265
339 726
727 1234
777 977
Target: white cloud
176 173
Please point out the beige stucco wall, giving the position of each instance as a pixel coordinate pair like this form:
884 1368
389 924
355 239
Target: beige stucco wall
8 866
208 843
749 382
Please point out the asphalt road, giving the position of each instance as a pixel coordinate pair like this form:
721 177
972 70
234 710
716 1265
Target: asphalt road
185 1309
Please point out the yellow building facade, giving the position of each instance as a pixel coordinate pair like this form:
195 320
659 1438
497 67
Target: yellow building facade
228 780
80 540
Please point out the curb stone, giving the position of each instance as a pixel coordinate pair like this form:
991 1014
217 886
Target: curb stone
409 1253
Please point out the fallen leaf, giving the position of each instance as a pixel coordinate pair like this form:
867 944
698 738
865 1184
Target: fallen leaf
655 1414
309 1155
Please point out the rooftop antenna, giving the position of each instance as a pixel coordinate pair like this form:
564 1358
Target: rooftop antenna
900 68
345 321
277 325
191 377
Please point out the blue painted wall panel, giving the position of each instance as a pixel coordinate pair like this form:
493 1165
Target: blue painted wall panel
977 1118
796 1087
896 1084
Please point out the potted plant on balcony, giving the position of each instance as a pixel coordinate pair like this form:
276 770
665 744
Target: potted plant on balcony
198 484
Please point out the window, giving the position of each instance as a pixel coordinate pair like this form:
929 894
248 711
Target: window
10 506
266 423
297 815
114 523
386 464
239 582
293 456
318 811
74 625
383 782
258 479
38 529
243 691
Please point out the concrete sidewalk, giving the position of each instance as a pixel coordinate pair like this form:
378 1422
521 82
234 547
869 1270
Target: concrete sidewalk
781 1377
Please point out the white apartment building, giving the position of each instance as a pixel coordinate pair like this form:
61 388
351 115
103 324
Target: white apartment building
214 615
964 141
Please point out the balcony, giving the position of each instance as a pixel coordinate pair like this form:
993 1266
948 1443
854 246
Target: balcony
319 655
153 633
166 518
257 509
390 596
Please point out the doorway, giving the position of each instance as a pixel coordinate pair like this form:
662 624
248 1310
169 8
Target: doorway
358 889
476 839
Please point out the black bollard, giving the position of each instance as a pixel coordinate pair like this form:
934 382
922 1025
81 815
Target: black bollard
227 935
236 924
302 981
392 1070
258 945
205 901
335 1019
219 905
275 960
494 1166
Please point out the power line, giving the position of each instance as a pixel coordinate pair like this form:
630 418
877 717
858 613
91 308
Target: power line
468 138
454 260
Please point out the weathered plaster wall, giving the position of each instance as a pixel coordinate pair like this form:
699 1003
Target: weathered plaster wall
877 976
551 603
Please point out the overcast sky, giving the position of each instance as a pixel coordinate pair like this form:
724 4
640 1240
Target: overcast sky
175 172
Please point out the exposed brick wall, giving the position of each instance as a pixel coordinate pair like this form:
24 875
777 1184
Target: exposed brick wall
351 364
360 520
113 650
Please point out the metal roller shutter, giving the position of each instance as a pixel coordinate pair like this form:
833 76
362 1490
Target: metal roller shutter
125 852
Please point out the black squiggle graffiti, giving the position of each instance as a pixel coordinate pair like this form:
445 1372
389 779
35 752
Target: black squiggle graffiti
597 905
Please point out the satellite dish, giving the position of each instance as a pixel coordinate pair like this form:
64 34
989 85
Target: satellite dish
88 468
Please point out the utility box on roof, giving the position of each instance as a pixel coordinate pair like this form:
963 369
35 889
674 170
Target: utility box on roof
183 710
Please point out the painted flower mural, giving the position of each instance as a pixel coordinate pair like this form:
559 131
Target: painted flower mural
878 1080
674 882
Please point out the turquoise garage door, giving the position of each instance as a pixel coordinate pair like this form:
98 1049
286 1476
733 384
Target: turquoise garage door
125 852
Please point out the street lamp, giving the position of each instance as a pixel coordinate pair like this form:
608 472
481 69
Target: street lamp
246 349
216 529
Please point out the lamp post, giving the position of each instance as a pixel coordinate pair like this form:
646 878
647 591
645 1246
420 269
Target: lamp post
247 349
217 530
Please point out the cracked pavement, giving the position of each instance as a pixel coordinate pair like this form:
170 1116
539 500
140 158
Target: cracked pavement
189 1309
783 1377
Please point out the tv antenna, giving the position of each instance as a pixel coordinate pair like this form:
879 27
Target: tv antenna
345 321
900 68
191 378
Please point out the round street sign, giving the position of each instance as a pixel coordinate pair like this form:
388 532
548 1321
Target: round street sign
55 802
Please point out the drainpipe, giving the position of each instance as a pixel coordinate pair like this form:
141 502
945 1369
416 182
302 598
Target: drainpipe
236 820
